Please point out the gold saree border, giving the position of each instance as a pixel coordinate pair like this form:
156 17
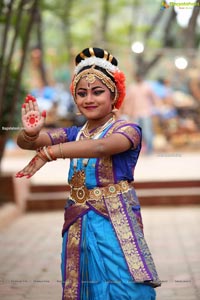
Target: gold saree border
126 239
71 287
133 216
105 172
131 133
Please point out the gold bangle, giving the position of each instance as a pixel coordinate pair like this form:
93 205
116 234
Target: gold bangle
29 138
61 150
51 153
46 153
42 154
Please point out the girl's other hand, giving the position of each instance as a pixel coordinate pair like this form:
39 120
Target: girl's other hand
34 165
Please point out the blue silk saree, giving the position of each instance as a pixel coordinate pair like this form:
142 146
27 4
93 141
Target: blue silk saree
104 253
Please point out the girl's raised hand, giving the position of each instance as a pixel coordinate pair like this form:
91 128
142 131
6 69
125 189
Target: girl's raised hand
32 119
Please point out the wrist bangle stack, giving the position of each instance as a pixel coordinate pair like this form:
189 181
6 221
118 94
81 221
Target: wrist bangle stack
46 153
27 138
42 155
61 151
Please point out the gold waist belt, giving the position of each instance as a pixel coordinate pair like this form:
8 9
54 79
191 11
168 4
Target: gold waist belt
81 194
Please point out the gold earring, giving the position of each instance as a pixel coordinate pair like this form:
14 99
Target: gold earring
78 113
114 110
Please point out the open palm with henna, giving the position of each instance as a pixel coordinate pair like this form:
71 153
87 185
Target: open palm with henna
32 119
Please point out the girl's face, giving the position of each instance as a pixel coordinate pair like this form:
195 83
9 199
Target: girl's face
94 100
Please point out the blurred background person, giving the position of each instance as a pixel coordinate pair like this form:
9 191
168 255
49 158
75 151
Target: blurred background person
138 107
164 113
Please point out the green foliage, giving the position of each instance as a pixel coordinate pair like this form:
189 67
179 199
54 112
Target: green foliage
8 103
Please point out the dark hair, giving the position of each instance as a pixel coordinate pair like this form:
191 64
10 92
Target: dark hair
98 52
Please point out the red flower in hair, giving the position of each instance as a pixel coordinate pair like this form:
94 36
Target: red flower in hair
121 88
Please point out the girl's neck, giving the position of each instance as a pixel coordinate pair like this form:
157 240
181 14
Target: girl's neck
93 124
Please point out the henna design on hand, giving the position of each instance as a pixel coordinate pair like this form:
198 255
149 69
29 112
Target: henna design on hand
32 120
33 161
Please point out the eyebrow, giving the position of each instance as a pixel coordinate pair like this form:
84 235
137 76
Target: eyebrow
93 88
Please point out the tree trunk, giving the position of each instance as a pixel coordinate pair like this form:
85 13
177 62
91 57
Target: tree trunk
32 12
144 66
155 21
41 47
24 50
67 28
1 6
3 50
191 29
104 22
6 67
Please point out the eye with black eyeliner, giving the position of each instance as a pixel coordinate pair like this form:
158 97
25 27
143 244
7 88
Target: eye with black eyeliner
98 92
82 94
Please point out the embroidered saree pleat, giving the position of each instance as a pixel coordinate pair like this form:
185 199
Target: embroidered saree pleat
137 257
72 283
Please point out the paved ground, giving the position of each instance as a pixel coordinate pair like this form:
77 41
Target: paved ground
30 246
30 254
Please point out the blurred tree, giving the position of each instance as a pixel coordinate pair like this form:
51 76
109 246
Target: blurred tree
114 25
80 25
62 10
40 43
16 23
190 34
170 29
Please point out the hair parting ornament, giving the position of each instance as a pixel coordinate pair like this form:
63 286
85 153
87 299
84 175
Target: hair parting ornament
88 63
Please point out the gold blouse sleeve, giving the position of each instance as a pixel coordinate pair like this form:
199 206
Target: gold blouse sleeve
132 132
57 136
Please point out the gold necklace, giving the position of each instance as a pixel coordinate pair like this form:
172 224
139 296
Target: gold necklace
79 192
97 131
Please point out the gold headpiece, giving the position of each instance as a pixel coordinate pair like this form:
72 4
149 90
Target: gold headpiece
90 75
